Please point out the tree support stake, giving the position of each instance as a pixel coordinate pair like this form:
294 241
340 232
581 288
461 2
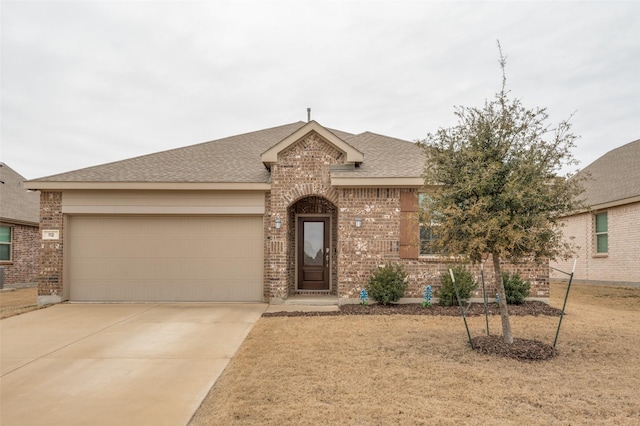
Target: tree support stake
566 296
484 296
464 318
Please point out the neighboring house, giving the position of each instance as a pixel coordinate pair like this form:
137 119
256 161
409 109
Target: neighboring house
19 236
608 235
260 216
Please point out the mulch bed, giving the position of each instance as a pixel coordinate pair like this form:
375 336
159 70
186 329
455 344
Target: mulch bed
474 309
520 349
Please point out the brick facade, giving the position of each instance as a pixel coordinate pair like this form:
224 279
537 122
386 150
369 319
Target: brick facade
22 269
50 279
377 243
622 262
301 183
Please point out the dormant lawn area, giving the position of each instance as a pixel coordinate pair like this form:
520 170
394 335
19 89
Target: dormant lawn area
380 370
18 301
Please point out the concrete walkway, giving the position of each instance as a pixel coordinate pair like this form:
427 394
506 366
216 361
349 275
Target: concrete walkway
116 364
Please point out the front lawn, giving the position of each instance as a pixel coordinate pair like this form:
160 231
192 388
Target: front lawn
18 301
407 369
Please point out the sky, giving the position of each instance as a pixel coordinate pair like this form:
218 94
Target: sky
90 82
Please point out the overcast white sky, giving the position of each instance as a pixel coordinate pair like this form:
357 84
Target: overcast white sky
89 82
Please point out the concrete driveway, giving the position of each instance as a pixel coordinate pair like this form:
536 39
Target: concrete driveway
116 364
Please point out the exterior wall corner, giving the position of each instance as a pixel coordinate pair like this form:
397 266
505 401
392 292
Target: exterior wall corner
50 276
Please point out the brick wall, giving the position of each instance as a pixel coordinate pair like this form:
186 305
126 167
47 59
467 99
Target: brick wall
50 282
302 171
23 267
428 270
301 183
362 250
621 263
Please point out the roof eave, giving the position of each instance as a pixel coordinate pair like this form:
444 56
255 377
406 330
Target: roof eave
380 182
10 221
607 205
204 186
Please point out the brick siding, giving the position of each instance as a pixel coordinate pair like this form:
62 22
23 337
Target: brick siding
50 282
361 250
301 183
621 263
377 243
23 267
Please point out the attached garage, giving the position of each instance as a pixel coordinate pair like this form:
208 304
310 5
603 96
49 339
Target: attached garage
165 258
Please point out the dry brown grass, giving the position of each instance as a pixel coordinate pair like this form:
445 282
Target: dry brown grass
18 301
380 370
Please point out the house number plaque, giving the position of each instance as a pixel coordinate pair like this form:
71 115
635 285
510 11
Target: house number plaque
50 234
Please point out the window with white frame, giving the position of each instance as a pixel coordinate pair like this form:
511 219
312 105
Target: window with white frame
5 243
602 233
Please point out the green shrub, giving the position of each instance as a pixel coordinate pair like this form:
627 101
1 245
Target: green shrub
387 284
464 282
515 288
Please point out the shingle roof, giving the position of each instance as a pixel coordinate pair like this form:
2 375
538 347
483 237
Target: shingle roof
237 159
613 177
231 159
16 203
385 156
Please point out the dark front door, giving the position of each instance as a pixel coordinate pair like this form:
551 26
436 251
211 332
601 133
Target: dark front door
313 253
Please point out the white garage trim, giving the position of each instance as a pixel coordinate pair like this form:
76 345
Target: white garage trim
163 202
162 210
115 258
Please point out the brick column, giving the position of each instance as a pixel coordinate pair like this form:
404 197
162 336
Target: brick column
50 281
275 263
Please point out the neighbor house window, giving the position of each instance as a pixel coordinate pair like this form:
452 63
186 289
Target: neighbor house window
428 228
5 243
602 236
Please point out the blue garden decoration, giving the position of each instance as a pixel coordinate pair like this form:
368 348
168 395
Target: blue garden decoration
364 297
497 298
427 295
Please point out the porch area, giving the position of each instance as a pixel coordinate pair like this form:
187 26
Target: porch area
307 303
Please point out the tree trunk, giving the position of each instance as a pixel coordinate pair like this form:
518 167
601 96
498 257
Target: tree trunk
504 312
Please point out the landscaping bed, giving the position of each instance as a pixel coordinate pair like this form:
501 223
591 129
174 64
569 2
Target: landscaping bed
534 308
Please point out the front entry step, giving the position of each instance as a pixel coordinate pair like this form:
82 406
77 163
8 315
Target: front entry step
312 300
306 303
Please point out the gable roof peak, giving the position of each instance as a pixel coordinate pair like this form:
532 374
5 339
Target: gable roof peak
353 155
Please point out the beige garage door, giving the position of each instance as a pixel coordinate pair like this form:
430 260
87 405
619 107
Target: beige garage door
177 258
